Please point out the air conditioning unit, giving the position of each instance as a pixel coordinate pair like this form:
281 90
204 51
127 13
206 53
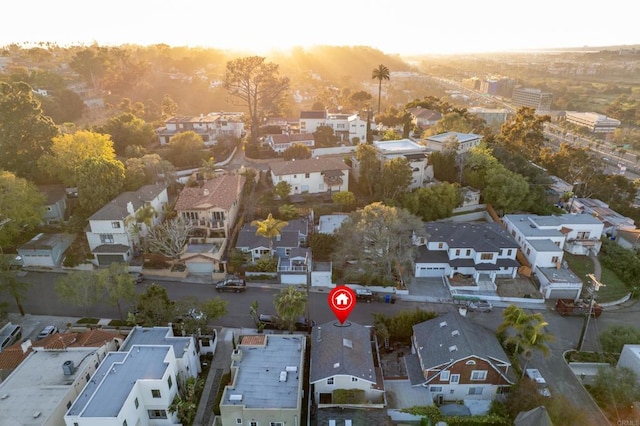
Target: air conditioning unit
68 368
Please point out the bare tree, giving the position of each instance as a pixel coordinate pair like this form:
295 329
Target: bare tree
169 237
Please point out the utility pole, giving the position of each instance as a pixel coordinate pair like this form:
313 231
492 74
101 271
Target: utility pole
585 326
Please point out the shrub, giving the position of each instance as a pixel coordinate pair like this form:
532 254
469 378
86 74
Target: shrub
88 321
348 396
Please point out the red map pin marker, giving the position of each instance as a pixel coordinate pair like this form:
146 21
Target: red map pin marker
341 301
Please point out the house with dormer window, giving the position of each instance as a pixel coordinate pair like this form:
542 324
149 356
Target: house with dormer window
456 359
483 250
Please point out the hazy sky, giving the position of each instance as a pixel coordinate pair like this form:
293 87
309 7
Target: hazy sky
393 26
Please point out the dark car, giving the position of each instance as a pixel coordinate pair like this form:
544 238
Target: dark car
273 322
137 276
235 285
365 295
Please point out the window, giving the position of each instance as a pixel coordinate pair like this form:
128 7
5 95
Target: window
169 382
238 421
457 252
513 233
528 251
155 393
136 403
295 176
307 175
509 252
157 414
435 389
124 423
106 238
68 405
583 235
475 391
253 423
440 245
87 377
444 376
276 423
468 252
486 256
479 375
354 379
455 378
470 362
115 224
330 381
554 259
49 209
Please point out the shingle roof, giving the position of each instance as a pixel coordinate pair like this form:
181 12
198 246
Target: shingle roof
482 237
116 209
425 114
53 193
435 340
221 192
341 349
309 165
313 114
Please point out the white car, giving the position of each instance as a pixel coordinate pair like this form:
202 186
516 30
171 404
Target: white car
534 374
479 306
50 329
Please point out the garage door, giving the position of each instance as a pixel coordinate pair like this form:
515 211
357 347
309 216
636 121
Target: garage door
560 293
108 259
200 268
430 271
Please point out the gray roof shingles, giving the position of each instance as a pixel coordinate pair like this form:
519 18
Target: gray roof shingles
116 209
482 237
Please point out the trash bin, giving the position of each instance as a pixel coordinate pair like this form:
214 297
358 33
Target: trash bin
387 298
393 300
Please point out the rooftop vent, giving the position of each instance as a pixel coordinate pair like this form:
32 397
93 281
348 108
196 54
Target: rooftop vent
283 376
4 396
453 348
455 333
236 355
291 368
347 343
235 397
443 324
68 368
336 365
36 414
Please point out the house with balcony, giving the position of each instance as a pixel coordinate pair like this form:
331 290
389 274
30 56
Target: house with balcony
347 127
266 386
345 359
210 127
455 359
114 231
280 143
460 142
611 219
482 250
212 208
319 175
414 153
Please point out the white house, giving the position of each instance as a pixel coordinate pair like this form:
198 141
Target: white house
45 250
311 120
280 143
113 230
482 250
210 127
611 219
464 141
347 127
313 175
267 375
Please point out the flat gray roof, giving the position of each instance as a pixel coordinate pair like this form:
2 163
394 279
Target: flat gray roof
329 223
39 384
258 378
156 336
114 380
544 245
399 146
560 275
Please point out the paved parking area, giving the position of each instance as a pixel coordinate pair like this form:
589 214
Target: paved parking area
400 394
33 324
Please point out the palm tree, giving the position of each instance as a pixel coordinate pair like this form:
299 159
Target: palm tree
380 73
143 216
290 305
269 228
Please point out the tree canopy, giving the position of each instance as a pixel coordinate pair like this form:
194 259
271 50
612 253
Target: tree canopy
186 149
126 130
290 304
22 207
99 181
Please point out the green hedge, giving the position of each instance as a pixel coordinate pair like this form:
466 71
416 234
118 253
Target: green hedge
88 321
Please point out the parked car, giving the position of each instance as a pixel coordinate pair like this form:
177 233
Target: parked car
273 322
365 295
236 285
137 276
196 314
48 330
479 306
534 374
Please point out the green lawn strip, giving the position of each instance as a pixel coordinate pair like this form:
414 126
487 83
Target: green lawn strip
614 288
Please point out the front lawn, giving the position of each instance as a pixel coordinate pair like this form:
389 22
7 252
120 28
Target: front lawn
614 288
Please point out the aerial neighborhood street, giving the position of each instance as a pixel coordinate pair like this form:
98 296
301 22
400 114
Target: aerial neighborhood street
326 236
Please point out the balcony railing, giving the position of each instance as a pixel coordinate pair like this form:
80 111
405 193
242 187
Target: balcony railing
287 268
209 224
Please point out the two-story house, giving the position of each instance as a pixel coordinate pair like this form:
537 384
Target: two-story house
313 175
210 127
416 155
114 230
266 386
345 359
460 142
212 207
280 143
311 120
455 359
347 127
482 250
611 219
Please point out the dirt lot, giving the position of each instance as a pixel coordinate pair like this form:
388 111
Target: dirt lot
517 287
392 362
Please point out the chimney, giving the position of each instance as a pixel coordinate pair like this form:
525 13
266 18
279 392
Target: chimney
206 192
130 209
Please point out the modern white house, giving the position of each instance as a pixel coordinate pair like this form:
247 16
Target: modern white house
210 127
461 142
348 127
611 219
267 375
313 175
483 250
113 230
311 120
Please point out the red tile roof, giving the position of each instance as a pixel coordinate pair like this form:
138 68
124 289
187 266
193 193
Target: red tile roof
219 192
12 356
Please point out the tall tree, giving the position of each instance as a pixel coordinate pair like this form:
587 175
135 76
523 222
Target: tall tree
297 151
345 199
434 202
526 332
11 285
126 130
395 179
525 133
80 288
21 207
290 305
505 190
257 85
186 149
70 151
379 239
169 237
25 132
99 181
154 307
185 403
369 168
269 228
381 73
119 284
282 190
169 107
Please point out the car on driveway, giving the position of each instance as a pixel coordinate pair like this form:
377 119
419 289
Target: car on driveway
137 276
236 285
479 306
364 295
534 374
48 330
